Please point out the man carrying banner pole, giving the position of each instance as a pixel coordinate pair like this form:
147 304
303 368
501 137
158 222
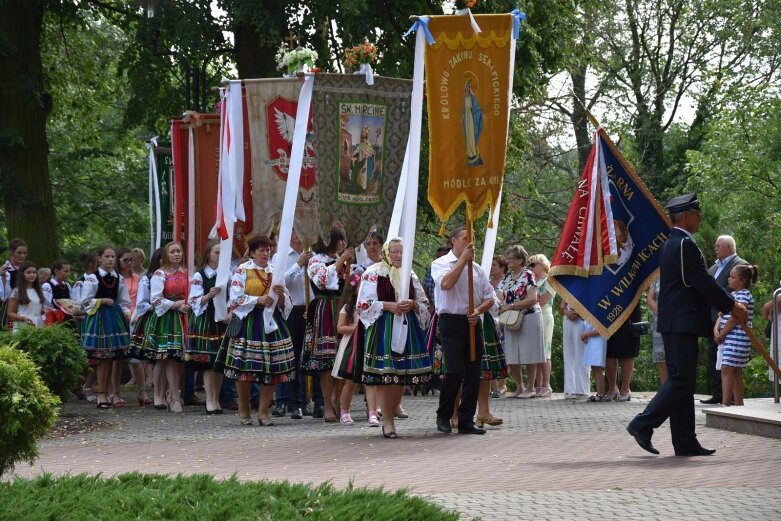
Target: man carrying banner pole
686 295
452 294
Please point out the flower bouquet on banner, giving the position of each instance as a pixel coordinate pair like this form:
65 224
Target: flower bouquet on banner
294 61
359 59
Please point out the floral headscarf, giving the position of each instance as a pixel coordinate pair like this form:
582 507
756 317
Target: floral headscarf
394 274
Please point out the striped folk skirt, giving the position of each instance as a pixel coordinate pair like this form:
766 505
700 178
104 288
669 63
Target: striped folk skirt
320 339
165 336
204 337
138 334
256 356
350 364
105 335
383 366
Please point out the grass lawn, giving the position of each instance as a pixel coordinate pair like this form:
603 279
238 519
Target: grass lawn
201 497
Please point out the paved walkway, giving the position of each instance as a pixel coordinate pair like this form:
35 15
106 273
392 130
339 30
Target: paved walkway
552 459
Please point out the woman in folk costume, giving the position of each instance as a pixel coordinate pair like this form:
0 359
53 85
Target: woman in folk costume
205 334
167 326
327 270
17 254
378 303
257 353
105 334
139 320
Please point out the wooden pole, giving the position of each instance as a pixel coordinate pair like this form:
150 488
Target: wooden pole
470 279
757 343
589 115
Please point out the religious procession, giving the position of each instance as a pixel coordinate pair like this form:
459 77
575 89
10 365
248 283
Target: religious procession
284 275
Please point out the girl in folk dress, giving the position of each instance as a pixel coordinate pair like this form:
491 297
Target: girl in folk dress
105 334
327 270
17 254
204 334
734 343
56 288
259 352
133 284
378 303
349 361
139 320
25 305
167 327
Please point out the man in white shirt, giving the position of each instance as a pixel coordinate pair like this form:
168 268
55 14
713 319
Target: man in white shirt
451 290
293 396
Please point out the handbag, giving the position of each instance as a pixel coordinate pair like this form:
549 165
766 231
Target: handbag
641 328
512 319
234 326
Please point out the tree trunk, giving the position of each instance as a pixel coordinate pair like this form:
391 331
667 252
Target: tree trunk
579 118
24 152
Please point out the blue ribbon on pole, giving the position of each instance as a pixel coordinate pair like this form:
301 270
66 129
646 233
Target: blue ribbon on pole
422 23
518 15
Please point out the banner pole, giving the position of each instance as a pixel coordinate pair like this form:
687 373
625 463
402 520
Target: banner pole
470 278
761 350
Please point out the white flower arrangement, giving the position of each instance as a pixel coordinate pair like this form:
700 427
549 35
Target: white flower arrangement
292 60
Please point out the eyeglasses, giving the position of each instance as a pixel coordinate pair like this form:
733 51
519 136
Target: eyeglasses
126 260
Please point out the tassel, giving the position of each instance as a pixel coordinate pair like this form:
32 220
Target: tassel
491 220
442 230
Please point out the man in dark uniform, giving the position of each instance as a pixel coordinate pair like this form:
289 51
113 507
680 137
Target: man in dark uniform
726 259
686 295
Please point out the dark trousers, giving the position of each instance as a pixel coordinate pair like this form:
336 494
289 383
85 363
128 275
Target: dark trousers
461 373
675 400
189 383
714 375
293 393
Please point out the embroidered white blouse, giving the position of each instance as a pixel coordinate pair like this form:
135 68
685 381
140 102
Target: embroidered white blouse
195 299
240 303
369 307
324 277
143 304
90 288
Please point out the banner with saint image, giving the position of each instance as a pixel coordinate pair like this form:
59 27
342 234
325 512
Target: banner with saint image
360 137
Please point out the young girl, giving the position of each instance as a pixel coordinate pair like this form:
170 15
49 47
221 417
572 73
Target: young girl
17 254
205 334
349 362
594 354
57 288
733 341
139 320
167 327
25 305
105 333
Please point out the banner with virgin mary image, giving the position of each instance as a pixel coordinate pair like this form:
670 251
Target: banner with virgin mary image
360 137
468 79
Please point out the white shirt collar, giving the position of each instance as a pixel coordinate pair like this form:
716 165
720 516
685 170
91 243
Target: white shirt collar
209 271
253 266
449 257
723 262
103 273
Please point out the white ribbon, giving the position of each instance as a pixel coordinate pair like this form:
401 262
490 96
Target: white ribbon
190 237
410 189
489 247
155 227
291 190
475 27
366 70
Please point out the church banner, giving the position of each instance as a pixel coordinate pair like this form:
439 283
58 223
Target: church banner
360 137
271 109
468 81
611 242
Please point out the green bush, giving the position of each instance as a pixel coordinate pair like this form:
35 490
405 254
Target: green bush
56 351
28 409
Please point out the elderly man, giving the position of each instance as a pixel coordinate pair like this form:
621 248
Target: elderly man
726 259
686 295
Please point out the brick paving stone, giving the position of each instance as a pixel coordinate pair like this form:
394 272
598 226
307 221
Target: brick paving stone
552 459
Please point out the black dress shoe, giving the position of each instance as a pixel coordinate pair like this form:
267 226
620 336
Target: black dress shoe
696 451
306 411
643 441
278 412
471 429
317 412
712 400
296 414
444 426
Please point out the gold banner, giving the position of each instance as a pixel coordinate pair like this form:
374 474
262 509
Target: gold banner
467 83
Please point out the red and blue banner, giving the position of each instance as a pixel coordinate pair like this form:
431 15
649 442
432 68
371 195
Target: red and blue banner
609 249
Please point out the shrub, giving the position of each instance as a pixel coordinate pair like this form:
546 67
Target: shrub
56 351
28 409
